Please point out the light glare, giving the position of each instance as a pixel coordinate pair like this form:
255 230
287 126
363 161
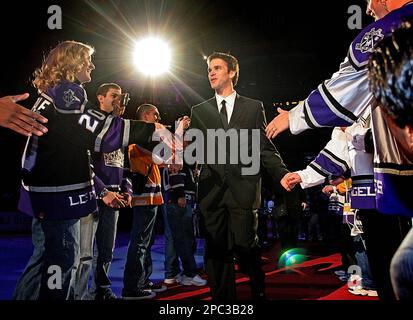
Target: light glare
152 56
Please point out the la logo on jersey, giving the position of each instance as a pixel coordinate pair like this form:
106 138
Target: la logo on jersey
69 98
368 42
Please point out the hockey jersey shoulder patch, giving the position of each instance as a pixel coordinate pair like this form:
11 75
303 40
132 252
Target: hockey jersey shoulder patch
364 44
68 97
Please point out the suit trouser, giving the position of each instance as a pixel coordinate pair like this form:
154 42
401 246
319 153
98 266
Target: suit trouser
232 231
288 218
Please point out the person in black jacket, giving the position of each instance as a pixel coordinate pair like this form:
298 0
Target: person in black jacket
229 193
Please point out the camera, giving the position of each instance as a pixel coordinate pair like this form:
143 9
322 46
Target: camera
124 100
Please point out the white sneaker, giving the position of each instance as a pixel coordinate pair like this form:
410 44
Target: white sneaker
194 281
357 291
176 279
363 292
371 293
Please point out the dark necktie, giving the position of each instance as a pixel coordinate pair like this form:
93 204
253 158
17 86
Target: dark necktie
224 115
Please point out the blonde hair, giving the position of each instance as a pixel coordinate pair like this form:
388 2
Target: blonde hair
62 63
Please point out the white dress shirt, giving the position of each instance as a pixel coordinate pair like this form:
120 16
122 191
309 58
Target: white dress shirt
229 103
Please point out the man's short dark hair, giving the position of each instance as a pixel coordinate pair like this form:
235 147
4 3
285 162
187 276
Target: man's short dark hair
231 61
105 87
142 109
391 74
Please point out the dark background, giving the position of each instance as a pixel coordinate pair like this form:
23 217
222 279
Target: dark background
284 50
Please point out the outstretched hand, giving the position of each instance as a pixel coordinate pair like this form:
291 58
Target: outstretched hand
279 124
19 119
290 180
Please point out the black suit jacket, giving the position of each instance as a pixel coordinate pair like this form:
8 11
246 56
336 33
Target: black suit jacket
215 178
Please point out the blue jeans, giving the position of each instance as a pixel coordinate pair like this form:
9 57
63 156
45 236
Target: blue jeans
138 266
180 223
28 285
61 252
105 244
171 263
363 262
401 269
88 226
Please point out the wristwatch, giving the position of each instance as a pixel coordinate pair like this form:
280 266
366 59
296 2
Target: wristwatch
103 193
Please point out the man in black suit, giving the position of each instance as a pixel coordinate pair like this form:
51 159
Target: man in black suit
228 195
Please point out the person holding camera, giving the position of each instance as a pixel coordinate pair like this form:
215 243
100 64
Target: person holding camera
114 191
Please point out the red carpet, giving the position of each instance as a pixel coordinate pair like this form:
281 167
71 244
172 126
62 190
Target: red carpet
311 279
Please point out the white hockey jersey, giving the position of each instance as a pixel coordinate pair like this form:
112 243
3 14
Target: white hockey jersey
341 100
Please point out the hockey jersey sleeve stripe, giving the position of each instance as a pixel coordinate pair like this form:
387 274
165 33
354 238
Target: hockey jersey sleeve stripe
402 169
394 171
336 107
113 187
310 177
319 169
323 112
99 185
69 187
177 180
30 153
99 138
176 174
126 130
329 168
325 165
178 185
149 191
336 159
45 96
308 116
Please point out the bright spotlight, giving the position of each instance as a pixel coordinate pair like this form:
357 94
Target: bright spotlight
152 56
